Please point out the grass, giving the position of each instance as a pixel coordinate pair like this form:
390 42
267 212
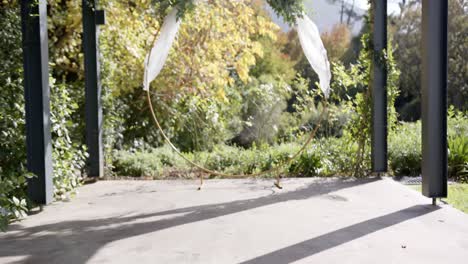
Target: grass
457 195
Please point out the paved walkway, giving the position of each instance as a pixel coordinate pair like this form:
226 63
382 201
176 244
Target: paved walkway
241 221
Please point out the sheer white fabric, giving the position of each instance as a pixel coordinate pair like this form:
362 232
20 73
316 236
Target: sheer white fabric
160 51
314 51
308 33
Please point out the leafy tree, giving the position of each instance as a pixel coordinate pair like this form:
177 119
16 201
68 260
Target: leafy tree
265 97
218 43
337 41
406 30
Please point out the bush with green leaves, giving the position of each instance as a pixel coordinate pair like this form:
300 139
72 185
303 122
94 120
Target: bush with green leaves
68 155
309 163
404 150
161 162
458 158
13 175
324 157
263 105
405 26
458 144
338 155
405 147
137 164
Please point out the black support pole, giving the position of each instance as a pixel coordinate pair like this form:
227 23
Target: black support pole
379 87
93 90
434 98
37 99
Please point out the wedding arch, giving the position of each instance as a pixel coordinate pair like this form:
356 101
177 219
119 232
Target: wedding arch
37 100
312 46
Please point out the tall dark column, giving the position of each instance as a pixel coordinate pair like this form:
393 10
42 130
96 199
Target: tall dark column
37 99
379 87
434 98
93 90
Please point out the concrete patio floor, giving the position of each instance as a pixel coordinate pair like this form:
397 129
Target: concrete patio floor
241 221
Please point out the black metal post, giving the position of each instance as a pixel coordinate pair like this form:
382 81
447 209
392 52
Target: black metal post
93 90
434 98
379 87
37 99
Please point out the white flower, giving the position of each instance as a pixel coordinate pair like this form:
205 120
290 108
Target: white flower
215 118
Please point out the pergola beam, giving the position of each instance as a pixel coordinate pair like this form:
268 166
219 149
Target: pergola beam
379 87
37 99
434 98
92 89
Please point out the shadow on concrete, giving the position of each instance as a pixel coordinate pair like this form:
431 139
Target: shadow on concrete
78 241
333 239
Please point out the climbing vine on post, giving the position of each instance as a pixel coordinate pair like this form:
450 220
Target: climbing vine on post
357 78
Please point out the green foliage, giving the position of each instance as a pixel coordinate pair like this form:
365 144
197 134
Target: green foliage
457 195
458 144
263 104
406 30
338 155
290 10
163 7
12 126
198 123
404 146
137 164
69 157
355 82
324 157
309 163
458 158
198 94
333 123
162 162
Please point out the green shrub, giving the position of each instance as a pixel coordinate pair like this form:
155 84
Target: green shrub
141 164
404 149
458 144
68 155
227 159
338 155
324 157
13 175
333 123
307 164
458 158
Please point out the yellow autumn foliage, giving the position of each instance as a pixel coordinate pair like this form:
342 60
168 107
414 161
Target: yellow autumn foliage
216 42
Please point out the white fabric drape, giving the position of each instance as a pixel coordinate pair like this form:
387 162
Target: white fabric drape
160 51
308 33
315 52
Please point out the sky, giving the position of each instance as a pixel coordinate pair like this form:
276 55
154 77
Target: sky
326 15
392 6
